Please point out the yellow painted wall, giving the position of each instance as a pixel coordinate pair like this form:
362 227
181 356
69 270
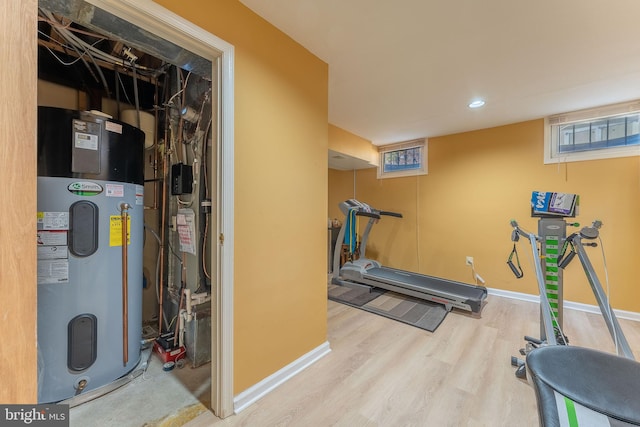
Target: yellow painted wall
341 187
477 182
348 143
281 121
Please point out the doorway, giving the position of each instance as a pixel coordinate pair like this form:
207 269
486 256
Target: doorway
134 24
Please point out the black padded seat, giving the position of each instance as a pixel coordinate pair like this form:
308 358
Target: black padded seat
577 386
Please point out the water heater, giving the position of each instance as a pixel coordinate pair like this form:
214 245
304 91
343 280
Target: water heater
90 243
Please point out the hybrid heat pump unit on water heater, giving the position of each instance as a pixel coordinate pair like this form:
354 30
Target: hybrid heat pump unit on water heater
90 243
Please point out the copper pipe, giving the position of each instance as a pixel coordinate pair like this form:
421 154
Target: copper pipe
125 283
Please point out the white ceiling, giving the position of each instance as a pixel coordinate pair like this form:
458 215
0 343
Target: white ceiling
406 69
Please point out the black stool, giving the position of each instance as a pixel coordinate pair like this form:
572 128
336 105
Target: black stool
578 386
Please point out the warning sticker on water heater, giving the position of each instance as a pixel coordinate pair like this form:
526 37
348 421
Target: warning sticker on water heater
114 190
52 237
53 220
139 194
53 271
53 252
115 230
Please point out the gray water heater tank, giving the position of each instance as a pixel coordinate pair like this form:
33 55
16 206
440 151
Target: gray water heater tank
90 183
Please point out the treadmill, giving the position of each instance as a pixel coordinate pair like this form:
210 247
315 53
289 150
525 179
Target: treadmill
370 273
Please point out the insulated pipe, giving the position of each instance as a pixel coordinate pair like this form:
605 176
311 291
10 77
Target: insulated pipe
187 297
125 283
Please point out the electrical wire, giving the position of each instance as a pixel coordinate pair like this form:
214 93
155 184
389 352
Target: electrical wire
60 60
68 27
124 90
205 178
157 276
67 33
184 87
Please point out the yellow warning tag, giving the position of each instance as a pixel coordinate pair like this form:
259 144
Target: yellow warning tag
115 230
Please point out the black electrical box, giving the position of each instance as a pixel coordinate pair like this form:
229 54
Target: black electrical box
181 179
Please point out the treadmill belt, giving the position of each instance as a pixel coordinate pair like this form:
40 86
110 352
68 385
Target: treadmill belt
428 283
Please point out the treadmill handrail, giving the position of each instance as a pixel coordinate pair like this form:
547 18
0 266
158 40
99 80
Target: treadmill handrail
388 213
369 214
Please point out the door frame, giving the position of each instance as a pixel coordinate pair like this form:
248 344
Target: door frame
156 19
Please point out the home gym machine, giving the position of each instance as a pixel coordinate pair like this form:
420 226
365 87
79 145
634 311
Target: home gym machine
574 386
370 273
552 250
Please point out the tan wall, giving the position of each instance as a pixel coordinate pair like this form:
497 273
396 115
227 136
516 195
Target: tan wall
341 187
477 182
281 120
18 69
348 143
345 142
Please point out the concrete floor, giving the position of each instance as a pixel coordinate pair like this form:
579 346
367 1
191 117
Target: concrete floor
154 399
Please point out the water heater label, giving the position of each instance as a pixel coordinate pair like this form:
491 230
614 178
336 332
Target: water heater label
114 190
52 237
86 141
113 127
139 194
85 188
53 252
53 271
54 220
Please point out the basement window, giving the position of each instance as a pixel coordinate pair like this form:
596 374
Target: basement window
403 159
598 133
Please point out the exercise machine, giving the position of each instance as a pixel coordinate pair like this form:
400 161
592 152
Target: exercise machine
564 378
370 273
552 251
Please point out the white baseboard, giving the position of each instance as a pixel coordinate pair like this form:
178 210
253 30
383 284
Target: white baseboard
255 392
621 314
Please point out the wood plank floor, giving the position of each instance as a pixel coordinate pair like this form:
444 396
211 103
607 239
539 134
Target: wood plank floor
384 373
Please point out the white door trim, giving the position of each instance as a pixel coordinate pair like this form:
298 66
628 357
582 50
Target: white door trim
156 19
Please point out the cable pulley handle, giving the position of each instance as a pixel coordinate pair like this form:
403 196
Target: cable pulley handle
565 258
387 213
517 270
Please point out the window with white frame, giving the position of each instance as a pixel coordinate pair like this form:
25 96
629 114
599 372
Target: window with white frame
598 133
403 159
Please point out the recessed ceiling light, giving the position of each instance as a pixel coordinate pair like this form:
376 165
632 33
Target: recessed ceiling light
476 104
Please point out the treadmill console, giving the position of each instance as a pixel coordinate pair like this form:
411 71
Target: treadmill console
347 205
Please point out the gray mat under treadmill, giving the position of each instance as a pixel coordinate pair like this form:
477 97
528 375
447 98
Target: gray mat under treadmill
413 311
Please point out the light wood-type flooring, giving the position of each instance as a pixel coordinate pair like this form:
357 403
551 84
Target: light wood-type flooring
384 373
